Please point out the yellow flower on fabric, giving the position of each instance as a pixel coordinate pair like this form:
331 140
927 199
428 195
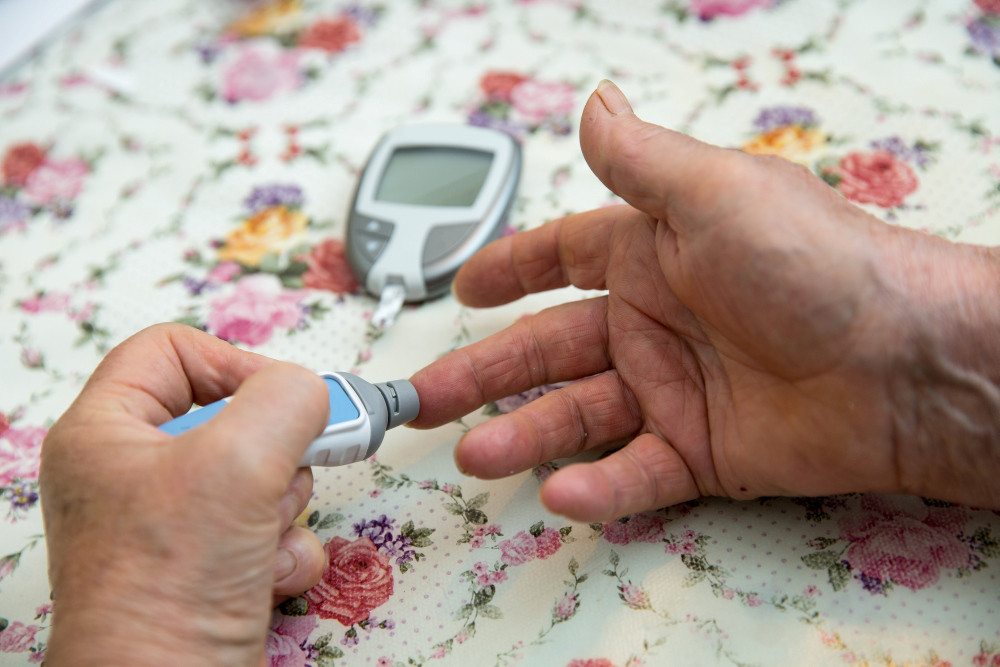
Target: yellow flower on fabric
787 141
268 230
278 17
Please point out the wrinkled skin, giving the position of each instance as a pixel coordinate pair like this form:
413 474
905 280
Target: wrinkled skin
173 550
760 336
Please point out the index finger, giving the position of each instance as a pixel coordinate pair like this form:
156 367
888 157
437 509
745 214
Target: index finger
573 250
565 342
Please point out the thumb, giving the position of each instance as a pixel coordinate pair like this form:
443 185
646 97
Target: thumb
661 172
270 421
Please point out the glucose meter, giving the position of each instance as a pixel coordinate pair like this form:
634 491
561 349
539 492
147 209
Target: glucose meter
429 197
360 414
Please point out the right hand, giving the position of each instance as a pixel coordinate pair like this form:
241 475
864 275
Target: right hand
760 336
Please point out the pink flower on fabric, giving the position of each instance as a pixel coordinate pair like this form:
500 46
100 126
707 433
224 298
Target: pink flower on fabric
56 181
45 302
707 10
991 7
20 449
224 272
538 100
634 596
18 637
878 177
259 74
285 639
19 161
498 85
357 579
566 607
639 528
901 539
593 662
332 35
548 543
519 549
252 312
328 268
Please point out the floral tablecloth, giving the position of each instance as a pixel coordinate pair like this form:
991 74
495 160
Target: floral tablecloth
193 161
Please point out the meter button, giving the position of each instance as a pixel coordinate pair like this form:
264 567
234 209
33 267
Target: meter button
444 239
371 246
377 228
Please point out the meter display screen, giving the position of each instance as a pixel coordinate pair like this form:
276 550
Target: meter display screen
438 176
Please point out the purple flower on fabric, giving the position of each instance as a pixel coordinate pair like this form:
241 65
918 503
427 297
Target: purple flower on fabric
379 531
398 547
873 585
13 213
511 403
773 117
481 118
917 154
22 494
208 52
277 194
361 15
985 36
194 286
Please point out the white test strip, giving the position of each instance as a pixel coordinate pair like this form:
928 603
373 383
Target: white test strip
389 304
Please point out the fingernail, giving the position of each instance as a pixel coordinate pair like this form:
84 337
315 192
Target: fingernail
614 99
284 564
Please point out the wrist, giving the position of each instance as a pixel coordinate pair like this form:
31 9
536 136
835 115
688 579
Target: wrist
120 618
946 393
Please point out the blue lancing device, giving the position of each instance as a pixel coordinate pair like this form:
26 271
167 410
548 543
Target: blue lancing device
360 414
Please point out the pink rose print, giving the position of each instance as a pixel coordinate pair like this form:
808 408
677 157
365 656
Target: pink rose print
259 74
19 163
7 567
991 7
223 272
252 312
638 528
706 10
538 100
19 452
498 85
634 596
518 549
593 662
285 640
548 543
18 637
900 539
566 606
357 579
328 268
332 35
878 177
45 302
525 547
56 181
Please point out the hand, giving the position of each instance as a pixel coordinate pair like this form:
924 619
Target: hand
760 336
177 544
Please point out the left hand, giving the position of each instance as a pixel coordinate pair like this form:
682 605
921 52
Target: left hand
178 544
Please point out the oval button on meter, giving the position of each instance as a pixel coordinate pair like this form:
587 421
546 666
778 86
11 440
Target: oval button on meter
430 196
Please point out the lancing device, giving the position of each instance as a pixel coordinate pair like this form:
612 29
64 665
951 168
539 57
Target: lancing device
360 414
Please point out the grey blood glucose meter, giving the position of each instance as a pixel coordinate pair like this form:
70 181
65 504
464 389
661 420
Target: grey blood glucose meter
430 196
360 414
